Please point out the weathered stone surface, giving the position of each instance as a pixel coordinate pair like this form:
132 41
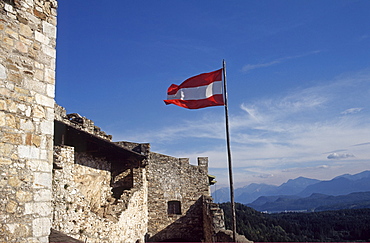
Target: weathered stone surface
84 204
26 134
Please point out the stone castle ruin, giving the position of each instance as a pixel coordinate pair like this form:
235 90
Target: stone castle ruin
62 179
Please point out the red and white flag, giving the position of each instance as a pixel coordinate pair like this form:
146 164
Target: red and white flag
200 91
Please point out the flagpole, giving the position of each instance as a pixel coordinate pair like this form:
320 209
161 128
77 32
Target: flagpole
229 155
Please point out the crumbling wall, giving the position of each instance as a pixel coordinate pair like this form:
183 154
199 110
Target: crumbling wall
27 82
79 122
83 201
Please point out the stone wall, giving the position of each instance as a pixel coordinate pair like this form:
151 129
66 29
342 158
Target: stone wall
175 180
83 201
27 82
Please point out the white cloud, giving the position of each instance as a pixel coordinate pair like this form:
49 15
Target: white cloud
340 156
287 135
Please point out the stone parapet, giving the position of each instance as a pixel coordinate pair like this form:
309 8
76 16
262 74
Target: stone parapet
79 122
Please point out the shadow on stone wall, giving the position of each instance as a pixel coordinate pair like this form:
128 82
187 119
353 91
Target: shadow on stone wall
187 228
203 222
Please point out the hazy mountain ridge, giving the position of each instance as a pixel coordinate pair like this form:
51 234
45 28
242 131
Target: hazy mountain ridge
314 203
299 187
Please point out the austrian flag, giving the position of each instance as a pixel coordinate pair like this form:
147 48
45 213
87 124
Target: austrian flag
200 91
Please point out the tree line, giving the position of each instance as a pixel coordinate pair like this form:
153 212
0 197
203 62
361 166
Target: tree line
329 226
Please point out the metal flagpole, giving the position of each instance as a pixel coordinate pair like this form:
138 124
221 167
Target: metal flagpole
229 155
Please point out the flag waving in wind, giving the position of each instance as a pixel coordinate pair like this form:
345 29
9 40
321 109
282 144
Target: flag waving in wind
200 91
204 90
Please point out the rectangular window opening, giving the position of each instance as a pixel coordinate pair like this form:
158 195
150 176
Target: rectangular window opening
174 207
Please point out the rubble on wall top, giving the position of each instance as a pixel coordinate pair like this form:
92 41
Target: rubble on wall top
77 121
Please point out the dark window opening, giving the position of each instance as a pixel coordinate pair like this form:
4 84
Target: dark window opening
11 2
174 207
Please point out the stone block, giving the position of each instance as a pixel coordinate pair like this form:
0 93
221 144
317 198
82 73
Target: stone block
27 125
13 138
42 195
50 90
39 165
36 141
47 127
9 8
39 74
49 30
15 77
38 111
44 100
26 41
14 181
12 105
29 152
12 33
11 206
42 180
24 151
12 121
21 47
41 227
23 196
49 76
5 161
41 38
18 229
2 72
6 149
34 85
25 30
39 208
8 41
49 51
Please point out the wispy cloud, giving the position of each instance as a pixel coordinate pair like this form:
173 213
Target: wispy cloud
362 144
351 111
250 67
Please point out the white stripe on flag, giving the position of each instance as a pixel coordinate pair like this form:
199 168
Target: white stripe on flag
197 93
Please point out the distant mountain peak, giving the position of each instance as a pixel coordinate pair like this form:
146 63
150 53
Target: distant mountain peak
299 187
358 176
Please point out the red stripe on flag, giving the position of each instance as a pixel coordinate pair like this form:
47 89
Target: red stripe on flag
215 100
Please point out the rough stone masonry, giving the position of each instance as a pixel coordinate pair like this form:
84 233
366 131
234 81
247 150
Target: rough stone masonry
96 190
27 83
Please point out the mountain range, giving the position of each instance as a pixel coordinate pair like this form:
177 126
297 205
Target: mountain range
300 190
315 203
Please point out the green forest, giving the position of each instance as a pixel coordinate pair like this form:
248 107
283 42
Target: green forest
330 226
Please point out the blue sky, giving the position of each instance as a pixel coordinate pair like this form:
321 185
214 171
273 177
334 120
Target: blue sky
298 77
